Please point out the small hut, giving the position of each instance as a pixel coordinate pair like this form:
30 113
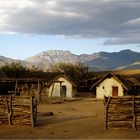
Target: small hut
111 85
61 85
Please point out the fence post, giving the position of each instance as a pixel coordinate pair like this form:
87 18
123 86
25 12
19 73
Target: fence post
32 111
133 113
10 110
52 92
35 111
16 85
107 100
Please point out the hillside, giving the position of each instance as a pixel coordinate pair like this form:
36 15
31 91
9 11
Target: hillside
125 59
96 61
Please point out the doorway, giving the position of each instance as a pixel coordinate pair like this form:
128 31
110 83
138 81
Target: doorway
64 90
114 91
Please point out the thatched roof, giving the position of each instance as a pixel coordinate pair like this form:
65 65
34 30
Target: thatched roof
117 78
134 81
61 76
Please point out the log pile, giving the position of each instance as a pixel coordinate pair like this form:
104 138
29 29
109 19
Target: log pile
122 112
137 111
19 109
21 113
4 109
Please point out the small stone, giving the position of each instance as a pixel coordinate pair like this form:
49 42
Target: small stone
48 114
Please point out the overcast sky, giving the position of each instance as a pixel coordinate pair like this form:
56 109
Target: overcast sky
28 27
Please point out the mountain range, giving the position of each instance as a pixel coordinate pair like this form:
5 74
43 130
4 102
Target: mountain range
125 59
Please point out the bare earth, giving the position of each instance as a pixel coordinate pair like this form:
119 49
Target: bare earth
82 119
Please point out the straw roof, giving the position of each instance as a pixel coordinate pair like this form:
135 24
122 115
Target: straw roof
134 81
61 76
117 78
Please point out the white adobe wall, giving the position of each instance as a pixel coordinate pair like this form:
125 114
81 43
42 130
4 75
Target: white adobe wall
107 90
56 92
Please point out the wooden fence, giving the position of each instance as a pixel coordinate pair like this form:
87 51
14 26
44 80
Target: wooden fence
18 110
122 112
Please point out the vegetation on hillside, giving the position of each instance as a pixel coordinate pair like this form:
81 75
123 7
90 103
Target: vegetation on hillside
16 70
74 71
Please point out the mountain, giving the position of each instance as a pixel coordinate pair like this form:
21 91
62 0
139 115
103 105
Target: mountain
125 59
96 61
110 61
5 60
54 56
46 59
135 65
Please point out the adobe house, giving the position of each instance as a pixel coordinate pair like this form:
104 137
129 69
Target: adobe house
111 85
61 85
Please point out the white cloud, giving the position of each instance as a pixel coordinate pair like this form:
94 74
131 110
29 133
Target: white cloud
133 22
119 19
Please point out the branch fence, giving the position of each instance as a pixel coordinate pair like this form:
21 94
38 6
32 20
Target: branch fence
122 112
18 110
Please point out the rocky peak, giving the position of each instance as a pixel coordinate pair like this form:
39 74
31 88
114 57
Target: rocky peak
58 52
55 53
102 60
53 56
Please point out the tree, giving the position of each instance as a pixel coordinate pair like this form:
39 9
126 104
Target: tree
75 71
35 72
14 70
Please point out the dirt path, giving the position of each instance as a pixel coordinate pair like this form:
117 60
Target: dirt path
77 119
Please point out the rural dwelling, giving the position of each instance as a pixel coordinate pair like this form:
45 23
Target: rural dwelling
63 85
111 85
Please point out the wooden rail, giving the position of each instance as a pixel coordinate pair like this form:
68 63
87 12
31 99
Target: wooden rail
18 110
122 112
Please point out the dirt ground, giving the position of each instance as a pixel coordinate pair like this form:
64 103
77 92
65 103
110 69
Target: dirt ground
82 119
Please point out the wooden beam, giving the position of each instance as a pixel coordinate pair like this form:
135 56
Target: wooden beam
133 113
51 93
106 111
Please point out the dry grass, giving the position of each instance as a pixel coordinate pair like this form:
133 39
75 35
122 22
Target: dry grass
127 72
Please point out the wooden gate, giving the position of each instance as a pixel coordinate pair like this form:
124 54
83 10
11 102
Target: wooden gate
18 110
122 112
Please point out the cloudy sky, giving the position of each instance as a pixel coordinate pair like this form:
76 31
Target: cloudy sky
28 27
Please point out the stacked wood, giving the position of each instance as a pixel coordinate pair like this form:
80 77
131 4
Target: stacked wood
21 113
120 112
18 110
137 111
4 110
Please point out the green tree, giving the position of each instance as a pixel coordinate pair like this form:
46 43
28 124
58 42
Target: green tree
75 71
35 72
14 70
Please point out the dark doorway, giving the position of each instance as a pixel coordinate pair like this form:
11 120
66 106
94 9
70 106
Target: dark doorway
114 91
64 89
